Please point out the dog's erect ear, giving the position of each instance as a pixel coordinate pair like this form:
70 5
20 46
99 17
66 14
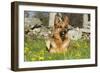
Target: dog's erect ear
57 20
66 20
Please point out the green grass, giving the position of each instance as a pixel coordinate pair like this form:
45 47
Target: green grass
35 50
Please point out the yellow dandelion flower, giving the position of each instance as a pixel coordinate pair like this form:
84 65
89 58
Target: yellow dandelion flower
26 49
41 58
78 54
33 59
50 57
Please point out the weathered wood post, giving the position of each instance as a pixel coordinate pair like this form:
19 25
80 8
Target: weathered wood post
51 19
86 23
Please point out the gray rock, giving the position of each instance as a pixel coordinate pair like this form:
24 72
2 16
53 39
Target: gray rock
75 34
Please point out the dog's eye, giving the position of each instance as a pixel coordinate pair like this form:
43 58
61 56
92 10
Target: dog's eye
66 27
60 26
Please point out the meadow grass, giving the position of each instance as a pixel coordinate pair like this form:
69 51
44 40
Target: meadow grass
35 50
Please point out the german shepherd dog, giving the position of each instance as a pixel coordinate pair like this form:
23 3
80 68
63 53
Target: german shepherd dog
59 41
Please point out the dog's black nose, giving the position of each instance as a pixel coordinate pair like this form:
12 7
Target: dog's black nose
62 33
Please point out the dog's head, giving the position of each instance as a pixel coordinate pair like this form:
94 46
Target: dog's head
61 24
